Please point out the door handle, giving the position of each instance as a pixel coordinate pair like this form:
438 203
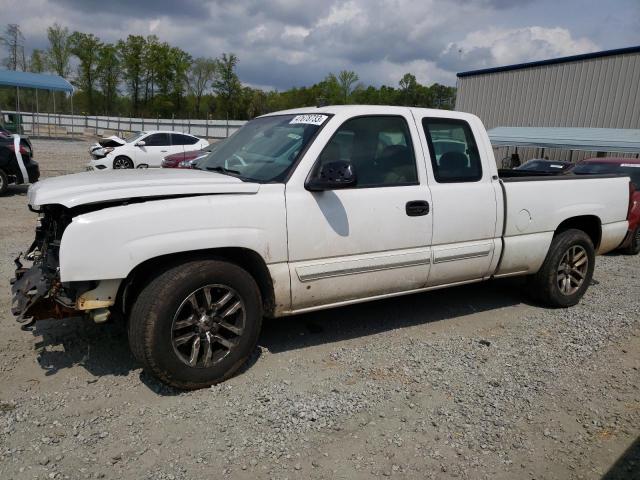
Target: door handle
164 151
417 208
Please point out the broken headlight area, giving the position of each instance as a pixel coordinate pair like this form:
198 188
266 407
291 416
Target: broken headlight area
100 152
37 292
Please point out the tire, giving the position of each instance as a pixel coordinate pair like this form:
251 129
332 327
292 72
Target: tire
549 285
4 183
164 323
634 247
122 162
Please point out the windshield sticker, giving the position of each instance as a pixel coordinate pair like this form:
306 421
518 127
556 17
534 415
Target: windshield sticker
310 119
635 165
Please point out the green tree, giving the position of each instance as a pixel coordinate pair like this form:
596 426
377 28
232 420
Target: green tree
87 47
59 52
226 83
37 62
408 86
13 41
443 97
109 75
152 58
180 63
329 91
131 54
347 80
201 74
160 68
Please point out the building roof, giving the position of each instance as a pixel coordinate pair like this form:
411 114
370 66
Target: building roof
552 61
586 139
12 78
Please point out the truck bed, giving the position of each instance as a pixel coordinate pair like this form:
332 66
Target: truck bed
536 205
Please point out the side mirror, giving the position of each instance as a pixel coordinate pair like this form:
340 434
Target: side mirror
332 176
140 143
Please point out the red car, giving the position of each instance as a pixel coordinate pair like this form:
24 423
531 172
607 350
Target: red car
184 159
622 166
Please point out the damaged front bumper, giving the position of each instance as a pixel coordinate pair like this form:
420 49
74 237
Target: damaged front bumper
37 290
35 294
38 294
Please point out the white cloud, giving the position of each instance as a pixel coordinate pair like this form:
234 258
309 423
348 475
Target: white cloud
284 43
341 14
496 47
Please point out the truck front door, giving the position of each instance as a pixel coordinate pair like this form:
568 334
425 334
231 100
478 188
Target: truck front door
369 240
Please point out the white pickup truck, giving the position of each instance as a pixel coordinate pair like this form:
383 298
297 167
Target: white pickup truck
304 210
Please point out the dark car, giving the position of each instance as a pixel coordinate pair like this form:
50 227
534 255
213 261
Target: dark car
10 167
545 166
621 166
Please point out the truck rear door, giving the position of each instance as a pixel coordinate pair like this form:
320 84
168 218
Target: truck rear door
466 208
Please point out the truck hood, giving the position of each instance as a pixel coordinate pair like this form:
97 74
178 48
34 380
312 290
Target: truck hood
95 187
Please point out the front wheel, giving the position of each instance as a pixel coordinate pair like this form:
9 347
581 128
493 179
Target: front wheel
195 324
566 272
122 163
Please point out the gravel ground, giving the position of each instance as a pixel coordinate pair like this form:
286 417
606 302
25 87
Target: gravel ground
57 157
471 382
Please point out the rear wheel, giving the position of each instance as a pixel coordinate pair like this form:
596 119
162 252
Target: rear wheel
634 246
567 270
195 324
122 163
4 182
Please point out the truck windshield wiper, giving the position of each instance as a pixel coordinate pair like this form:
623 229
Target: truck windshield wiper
222 170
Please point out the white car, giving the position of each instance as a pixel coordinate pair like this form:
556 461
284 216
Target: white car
304 210
141 149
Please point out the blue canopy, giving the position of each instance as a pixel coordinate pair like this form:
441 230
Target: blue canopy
586 139
12 78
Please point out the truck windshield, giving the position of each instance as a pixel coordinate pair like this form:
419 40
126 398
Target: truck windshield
264 149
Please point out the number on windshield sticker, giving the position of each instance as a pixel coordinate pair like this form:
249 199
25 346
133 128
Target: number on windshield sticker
310 119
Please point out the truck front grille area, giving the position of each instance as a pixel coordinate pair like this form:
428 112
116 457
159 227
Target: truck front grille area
36 289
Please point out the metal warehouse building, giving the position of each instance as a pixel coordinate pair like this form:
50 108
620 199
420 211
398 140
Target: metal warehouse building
596 90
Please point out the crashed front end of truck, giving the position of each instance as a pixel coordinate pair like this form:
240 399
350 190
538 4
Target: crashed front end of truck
37 292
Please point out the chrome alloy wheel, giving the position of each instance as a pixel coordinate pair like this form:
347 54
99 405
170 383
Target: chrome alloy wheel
572 270
121 163
208 325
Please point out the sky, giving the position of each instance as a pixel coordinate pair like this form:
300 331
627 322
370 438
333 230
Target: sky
287 43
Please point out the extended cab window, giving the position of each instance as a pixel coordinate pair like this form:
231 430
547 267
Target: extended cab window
453 150
378 147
